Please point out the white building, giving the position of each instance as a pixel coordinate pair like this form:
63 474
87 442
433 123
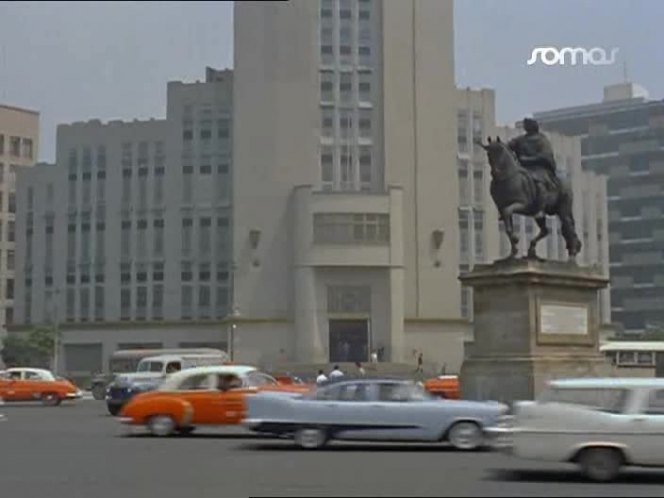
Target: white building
19 139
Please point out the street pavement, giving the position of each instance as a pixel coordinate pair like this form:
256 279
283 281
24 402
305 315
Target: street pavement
77 450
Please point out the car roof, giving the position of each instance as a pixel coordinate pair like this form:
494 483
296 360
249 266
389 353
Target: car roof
175 357
214 369
35 370
607 382
367 379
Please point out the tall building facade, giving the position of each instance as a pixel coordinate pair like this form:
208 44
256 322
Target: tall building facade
126 240
623 138
19 141
481 235
345 218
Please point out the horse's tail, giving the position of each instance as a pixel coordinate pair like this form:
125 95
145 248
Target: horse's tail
566 215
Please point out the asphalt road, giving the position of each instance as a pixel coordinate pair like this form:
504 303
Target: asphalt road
80 451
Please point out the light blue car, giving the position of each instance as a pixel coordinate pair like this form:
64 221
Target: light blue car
371 410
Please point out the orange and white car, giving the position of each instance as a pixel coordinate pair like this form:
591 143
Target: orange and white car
209 395
36 384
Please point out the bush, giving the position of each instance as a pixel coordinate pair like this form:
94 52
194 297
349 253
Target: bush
34 349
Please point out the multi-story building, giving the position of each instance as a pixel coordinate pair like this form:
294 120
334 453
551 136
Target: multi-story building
345 218
19 140
623 138
481 235
126 241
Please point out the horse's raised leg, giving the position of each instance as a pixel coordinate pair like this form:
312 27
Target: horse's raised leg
540 219
572 242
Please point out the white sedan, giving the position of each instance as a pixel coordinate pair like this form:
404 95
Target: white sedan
600 424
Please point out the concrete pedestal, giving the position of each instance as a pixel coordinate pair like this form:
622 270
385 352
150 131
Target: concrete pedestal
533 321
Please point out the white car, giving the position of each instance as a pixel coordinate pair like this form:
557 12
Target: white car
599 424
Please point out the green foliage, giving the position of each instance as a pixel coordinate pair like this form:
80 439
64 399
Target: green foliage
34 349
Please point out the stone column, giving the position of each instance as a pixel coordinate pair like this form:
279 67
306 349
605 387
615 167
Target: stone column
308 341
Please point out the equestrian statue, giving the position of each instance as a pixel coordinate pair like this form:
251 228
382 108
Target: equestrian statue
524 181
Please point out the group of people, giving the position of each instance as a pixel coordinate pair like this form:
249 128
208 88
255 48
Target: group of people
336 373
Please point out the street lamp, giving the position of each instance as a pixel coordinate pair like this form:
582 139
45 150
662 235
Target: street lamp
235 314
56 329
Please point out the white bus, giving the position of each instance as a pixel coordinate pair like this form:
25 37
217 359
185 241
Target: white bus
632 354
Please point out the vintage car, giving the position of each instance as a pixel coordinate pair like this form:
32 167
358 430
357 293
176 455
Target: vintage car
36 384
151 371
443 386
599 424
210 395
372 409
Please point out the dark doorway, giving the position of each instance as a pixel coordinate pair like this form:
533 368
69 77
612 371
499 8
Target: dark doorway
349 340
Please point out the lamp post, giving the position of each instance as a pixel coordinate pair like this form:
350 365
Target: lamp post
234 315
56 330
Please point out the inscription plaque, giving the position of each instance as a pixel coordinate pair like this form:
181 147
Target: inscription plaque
563 319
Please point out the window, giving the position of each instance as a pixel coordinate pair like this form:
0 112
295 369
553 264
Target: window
364 86
11 203
15 146
195 383
125 239
327 122
365 123
142 226
72 191
223 235
464 241
345 14
327 86
364 15
223 128
187 302
85 303
127 154
345 35
99 303
366 172
11 235
204 237
478 186
655 403
345 86
141 302
187 233
462 131
157 301
204 272
204 301
125 304
607 400
341 228
187 135
158 226
221 305
477 129
10 259
101 187
479 234
9 288
157 272
346 165
327 166
327 54
187 184
126 188
101 157
186 274
364 53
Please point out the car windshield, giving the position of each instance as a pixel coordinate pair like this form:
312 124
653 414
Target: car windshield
150 366
123 366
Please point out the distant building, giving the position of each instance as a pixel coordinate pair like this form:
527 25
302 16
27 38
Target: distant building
623 138
129 243
19 140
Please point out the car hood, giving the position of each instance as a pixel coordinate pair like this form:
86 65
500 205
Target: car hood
138 378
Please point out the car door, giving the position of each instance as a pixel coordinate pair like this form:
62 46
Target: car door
8 385
647 436
21 386
397 415
200 392
349 411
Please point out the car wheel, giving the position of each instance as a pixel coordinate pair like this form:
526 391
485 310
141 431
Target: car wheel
600 464
161 425
50 399
99 392
465 436
114 409
310 438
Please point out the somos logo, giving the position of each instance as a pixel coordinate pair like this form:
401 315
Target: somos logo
552 56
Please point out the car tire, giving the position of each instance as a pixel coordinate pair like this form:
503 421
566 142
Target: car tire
465 436
50 399
310 438
99 392
161 425
601 464
114 409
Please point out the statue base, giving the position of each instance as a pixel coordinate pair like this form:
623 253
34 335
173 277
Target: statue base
533 321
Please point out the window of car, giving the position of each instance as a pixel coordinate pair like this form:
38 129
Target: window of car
655 403
150 366
33 376
225 382
173 366
15 375
395 392
610 400
199 382
354 392
328 393
257 379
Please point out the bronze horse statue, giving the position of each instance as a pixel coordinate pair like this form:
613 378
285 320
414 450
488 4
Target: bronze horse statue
515 190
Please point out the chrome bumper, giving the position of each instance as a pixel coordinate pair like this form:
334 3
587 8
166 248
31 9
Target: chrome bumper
500 438
76 395
252 423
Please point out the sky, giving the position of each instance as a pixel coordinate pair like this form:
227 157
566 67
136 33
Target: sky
74 61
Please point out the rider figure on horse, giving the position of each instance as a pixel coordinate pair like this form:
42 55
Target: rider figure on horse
534 152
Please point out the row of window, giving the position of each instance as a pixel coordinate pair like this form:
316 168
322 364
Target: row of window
84 158
467 127
345 86
347 168
342 228
205 130
17 147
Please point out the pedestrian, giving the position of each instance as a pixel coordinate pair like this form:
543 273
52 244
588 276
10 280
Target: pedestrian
322 378
336 372
374 357
420 362
360 370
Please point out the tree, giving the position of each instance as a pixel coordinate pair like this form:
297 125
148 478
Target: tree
34 349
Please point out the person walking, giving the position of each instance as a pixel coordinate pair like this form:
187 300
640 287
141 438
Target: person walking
360 370
420 362
322 378
336 373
